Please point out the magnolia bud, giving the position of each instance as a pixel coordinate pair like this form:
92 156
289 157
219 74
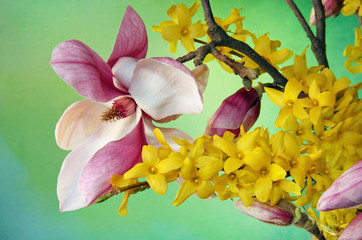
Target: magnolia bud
353 230
267 213
241 108
345 192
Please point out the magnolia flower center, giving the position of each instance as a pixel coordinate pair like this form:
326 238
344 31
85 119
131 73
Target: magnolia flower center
121 108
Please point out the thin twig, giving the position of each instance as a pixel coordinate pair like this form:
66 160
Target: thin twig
318 42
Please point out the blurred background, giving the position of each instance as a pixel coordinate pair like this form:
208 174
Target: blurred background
33 97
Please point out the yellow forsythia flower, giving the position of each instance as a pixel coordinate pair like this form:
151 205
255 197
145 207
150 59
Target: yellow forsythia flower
354 53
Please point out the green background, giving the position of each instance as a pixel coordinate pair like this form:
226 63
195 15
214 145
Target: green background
33 97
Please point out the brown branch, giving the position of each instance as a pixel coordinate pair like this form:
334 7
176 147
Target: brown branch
220 38
318 42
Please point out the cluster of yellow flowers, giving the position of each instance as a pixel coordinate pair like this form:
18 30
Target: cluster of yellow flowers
319 138
181 28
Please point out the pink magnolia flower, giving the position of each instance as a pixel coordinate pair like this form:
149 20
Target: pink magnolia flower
241 108
264 212
106 131
353 231
345 192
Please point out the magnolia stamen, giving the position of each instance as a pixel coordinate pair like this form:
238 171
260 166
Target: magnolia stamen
121 108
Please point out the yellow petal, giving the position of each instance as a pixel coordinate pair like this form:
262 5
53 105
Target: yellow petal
326 99
171 33
277 97
340 84
188 43
314 90
314 114
247 141
257 159
228 148
298 110
173 46
194 7
140 170
263 46
262 188
197 30
172 13
298 176
211 169
169 164
232 164
157 183
183 16
188 169
205 190
159 135
186 189
245 196
277 172
280 56
292 89
149 155
123 208
290 187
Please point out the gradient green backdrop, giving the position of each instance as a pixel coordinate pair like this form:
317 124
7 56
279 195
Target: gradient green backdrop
33 97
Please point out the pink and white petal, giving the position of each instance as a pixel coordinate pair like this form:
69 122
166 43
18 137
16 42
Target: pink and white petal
201 74
82 68
77 123
68 188
116 157
353 230
168 133
123 72
162 90
131 39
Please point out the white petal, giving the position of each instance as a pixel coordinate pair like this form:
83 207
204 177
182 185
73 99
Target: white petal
123 72
77 123
163 90
68 187
201 74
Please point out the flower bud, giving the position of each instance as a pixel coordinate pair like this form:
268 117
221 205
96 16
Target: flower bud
353 230
241 108
266 213
345 192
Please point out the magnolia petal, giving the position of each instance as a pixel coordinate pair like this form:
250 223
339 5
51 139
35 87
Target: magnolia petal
201 74
131 39
233 110
262 188
116 157
353 230
157 183
266 213
77 123
68 188
161 89
123 72
84 70
345 192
